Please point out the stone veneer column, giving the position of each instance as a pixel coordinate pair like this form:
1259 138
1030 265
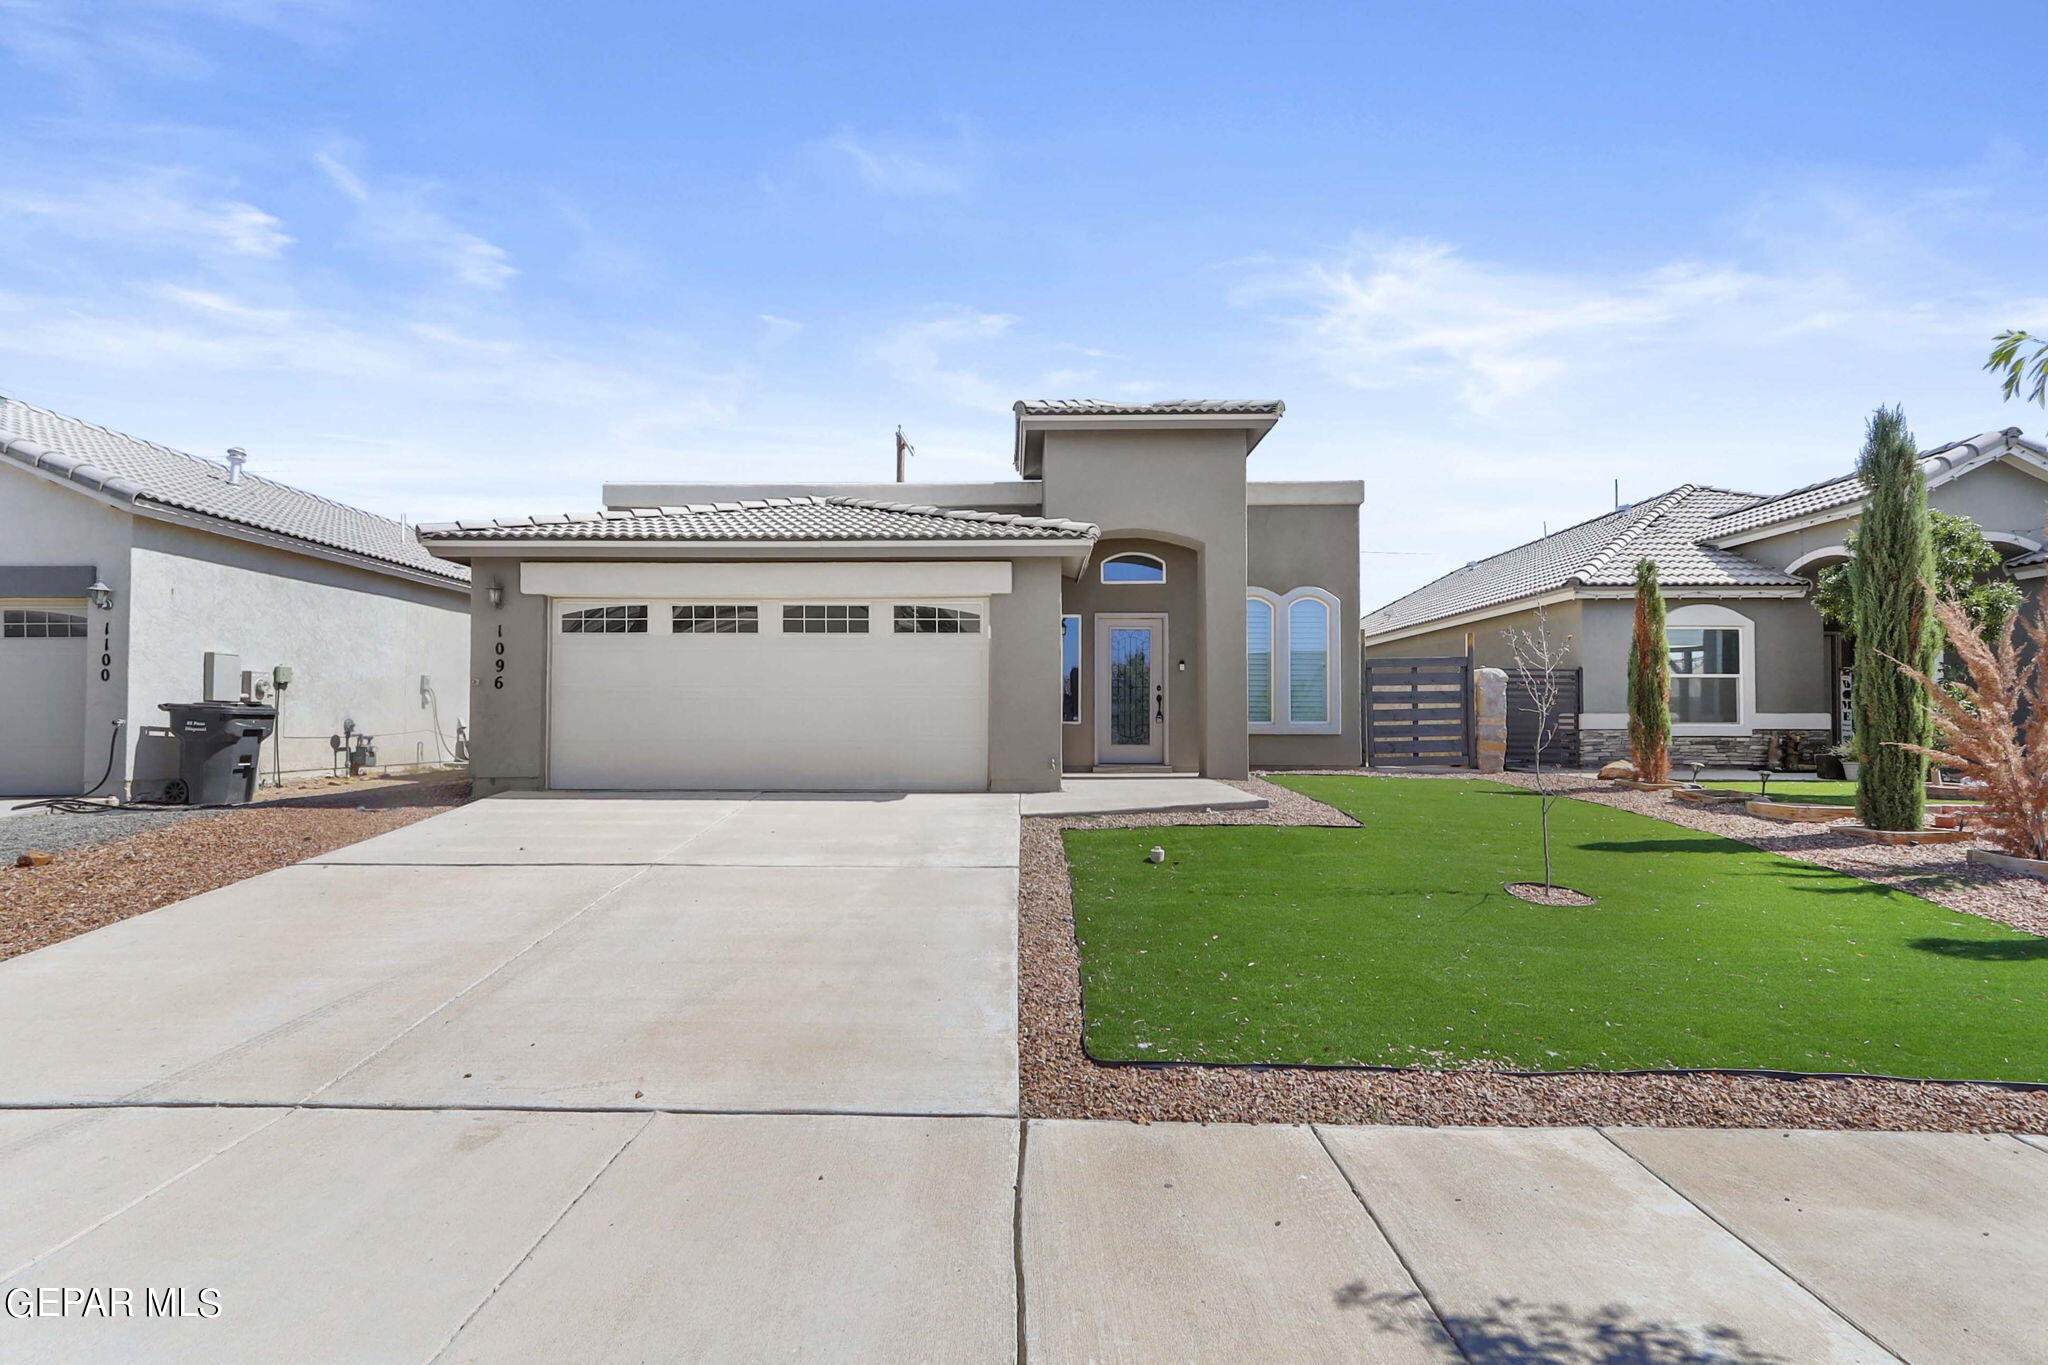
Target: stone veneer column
1490 718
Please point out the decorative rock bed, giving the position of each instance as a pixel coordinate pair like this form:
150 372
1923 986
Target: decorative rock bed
1536 893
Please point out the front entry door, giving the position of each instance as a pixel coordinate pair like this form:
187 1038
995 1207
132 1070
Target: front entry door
1130 689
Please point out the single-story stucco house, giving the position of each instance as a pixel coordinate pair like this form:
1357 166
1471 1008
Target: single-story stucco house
1751 659
124 565
1129 601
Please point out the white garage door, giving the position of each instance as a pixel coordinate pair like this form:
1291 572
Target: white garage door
843 695
42 700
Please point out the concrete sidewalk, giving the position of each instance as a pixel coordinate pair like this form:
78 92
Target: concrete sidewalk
734 1077
365 1235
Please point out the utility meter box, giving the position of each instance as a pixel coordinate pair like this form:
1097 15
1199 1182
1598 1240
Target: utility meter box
223 681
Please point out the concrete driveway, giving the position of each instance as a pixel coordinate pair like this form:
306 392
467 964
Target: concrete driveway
733 1078
741 952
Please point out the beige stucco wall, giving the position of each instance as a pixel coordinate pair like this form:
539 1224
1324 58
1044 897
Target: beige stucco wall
508 705
1490 642
1179 598
1996 496
1187 487
358 643
1312 546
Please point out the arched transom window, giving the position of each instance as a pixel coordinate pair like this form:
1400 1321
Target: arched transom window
1134 568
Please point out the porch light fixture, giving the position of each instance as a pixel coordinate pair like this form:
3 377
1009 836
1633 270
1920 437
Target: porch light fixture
497 593
100 595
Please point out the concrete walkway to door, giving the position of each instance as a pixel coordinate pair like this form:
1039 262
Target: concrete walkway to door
733 1077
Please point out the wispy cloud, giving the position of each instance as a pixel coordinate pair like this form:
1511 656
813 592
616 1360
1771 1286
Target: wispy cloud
1424 315
398 218
160 208
90 42
1384 316
902 170
924 356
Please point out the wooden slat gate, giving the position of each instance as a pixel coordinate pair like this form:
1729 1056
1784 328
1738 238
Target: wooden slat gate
1561 750
1418 712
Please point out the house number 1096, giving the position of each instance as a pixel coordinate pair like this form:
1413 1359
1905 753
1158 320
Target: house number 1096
498 663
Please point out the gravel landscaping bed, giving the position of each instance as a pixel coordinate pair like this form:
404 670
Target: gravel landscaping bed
112 876
1941 873
1060 1081
55 831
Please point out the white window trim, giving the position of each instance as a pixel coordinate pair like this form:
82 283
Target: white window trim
1705 615
1154 560
1333 663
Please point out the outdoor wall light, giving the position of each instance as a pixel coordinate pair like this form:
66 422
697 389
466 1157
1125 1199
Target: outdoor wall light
100 595
497 592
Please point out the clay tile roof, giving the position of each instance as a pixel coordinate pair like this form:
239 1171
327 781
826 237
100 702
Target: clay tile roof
142 472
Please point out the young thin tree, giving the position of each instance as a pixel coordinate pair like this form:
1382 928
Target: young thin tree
1649 681
1897 634
1980 732
1539 663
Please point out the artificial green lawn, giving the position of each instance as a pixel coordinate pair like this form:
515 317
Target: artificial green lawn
1394 945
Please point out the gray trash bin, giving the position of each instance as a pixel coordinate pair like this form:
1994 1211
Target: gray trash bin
218 747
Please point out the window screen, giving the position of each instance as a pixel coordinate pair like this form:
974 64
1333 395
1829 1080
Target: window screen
1706 675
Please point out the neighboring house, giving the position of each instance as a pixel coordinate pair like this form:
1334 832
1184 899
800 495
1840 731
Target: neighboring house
1751 659
123 564
1131 601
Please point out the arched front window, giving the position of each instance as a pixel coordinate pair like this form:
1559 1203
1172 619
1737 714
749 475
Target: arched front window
1308 662
1293 675
1258 659
1134 568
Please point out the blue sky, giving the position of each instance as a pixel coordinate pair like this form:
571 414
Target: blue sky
449 260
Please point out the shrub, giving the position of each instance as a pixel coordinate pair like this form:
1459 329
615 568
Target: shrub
1894 625
1649 681
1979 732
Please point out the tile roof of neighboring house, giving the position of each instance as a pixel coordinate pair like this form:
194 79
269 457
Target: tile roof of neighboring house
142 472
1172 407
1846 490
1602 552
777 519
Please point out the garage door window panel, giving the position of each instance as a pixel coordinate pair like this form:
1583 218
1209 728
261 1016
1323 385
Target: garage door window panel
824 618
709 618
920 620
30 623
621 620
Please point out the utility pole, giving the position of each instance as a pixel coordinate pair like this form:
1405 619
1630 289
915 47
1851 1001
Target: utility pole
904 450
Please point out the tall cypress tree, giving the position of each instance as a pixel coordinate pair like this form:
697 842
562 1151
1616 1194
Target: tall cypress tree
1895 626
1649 681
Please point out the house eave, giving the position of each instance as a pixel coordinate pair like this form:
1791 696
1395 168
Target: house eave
1073 553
